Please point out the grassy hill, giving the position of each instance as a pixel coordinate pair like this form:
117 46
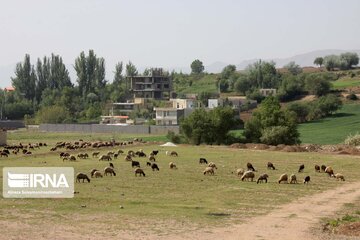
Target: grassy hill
333 129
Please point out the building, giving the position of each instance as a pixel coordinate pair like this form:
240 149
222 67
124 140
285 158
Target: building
183 103
156 86
116 120
168 116
124 109
267 92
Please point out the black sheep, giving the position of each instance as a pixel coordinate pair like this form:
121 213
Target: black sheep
111 165
135 164
154 167
155 152
203 161
317 168
270 165
307 179
148 164
301 168
323 167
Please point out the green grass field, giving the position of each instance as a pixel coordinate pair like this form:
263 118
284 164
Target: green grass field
346 82
334 129
183 195
207 83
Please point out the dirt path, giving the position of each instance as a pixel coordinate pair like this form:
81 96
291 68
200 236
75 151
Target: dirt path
290 221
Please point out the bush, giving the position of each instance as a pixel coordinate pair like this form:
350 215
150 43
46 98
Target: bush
53 114
276 135
173 137
353 140
301 109
317 85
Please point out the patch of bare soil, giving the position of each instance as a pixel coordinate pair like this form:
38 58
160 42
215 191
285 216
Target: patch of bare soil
349 229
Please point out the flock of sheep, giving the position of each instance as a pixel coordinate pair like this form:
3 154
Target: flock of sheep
247 174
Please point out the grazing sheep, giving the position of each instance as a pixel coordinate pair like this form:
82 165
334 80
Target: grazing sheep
131 153
270 165
155 152
148 164
95 154
65 159
110 153
154 167
152 159
128 158
104 158
293 179
317 168
92 172
263 177
203 161
307 179
283 178
111 165
247 175
116 155
109 170
82 176
339 176
139 171
240 172
209 171
173 154
98 174
250 167
329 171
213 165
172 165
323 167
135 164
301 168
72 158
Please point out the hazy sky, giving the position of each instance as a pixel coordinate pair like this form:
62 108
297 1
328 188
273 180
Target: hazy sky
168 33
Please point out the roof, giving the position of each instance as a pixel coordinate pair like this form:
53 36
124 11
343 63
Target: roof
120 117
9 89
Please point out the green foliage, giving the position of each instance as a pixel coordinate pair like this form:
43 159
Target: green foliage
53 114
25 79
18 109
345 61
293 68
131 69
268 116
173 137
291 86
197 67
255 95
301 109
317 85
323 107
208 127
242 85
319 61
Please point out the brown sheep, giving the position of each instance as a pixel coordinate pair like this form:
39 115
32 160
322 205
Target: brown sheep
104 158
93 171
72 158
109 170
247 175
95 154
152 159
317 168
323 167
329 171
140 172
240 172
213 165
82 176
307 179
339 176
173 154
283 178
293 179
172 165
97 174
263 177
209 171
250 167
270 165
128 158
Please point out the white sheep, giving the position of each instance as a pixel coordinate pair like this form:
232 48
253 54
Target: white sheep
247 175
283 178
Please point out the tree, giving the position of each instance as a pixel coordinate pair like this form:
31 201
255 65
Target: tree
319 61
90 71
53 114
317 85
331 62
25 79
293 68
272 125
263 75
197 67
349 59
291 86
118 77
242 85
131 70
228 71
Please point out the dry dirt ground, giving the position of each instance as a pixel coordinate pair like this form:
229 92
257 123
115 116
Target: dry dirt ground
295 220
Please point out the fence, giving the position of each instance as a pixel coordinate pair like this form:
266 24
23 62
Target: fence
102 128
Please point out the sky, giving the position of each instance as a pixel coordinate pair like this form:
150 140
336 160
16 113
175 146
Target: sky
172 33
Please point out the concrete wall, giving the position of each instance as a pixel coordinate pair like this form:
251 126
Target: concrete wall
3 137
11 124
102 128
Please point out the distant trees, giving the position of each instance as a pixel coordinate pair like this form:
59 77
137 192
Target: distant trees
25 79
197 67
319 61
293 68
131 69
344 61
317 85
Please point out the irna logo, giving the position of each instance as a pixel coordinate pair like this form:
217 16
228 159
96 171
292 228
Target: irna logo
19 180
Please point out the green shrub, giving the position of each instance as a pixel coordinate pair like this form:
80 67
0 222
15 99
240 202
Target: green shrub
53 114
173 137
